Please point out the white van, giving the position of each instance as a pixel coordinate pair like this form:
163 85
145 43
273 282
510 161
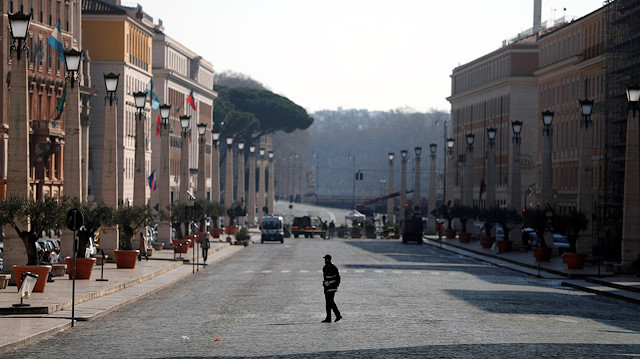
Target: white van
272 229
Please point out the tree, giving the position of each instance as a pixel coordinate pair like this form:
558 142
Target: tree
251 113
48 213
464 214
571 225
94 217
236 210
507 218
444 211
131 219
176 214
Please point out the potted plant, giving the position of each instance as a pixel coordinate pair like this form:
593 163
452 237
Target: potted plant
572 225
215 210
445 212
370 230
488 217
464 214
48 213
94 217
130 219
236 210
356 230
537 219
242 236
342 230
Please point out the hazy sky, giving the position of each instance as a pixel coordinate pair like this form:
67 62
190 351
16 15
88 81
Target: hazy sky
366 54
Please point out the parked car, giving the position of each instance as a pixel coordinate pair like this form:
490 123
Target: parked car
499 233
272 229
560 242
46 251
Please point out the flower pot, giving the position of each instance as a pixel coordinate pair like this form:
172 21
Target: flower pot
450 233
574 260
41 271
486 242
542 254
84 267
231 230
190 239
58 270
216 232
183 248
464 237
158 246
125 258
504 246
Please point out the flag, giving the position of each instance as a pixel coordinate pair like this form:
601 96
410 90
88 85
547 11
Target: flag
55 40
155 103
158 125
483 188
152 180
191 101
177 110
61 104
189 135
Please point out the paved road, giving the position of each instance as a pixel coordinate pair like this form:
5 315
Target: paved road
397 300
301 209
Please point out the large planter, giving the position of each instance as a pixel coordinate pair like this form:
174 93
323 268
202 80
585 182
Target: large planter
216 232
58 269
542 254
191 239
450 233
126 258
464 237
231 230
41 271
486 242
182 244
574 260
84 267
504 246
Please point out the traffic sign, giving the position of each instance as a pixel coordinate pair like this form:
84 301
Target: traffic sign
405 204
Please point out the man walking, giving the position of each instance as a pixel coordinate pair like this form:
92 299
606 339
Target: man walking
331 282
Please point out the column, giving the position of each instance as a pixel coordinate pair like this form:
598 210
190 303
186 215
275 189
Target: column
403 186
109 234
228 180
467 198
251 192
261 185
241 182
417 191
584 244
140 177
390 214
515 234
631 202
491 170
432 225
272 183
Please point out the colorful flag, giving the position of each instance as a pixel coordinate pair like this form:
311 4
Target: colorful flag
155 103
158 125
191 101
55 40
483 188
152 180
61 104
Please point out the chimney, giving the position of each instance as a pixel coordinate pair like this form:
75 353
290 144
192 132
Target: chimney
537 14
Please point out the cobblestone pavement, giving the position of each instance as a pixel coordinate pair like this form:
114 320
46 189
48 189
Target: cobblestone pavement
397 300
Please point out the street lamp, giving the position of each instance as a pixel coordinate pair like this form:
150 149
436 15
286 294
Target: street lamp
491 135
165 111
516 178
240 194
417 193
185 120
467 199
450 143
403 185
202 128
547 178
271 191
164 176
547 121
215 166
262 184
251 201
585 188
201 190
72 59
586 106
516 127
19 25
228 179
631 199
111 84
390 200
433 148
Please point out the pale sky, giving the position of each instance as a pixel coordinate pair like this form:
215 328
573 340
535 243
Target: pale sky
364 54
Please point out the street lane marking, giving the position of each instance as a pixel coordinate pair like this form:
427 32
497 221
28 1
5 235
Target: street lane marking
285 271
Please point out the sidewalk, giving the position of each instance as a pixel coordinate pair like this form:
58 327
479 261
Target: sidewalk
97 298
591 279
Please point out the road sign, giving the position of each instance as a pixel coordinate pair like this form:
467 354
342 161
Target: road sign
405 204
75 219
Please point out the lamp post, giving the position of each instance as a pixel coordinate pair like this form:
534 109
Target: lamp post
491 173
251 200
272 183
547 177
390 216
585 190
164 176
139 176
516 182
433 148
417 192
261 185
228 179
18 168
403 186
72 158
631 202
185 120
240 185
215 166
202 141
448 155
109 178
467 198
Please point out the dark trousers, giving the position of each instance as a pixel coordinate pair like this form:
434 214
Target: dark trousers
331 304
205 252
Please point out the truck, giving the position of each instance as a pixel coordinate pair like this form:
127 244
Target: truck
307 226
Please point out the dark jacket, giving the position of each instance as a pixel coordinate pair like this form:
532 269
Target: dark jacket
331 277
